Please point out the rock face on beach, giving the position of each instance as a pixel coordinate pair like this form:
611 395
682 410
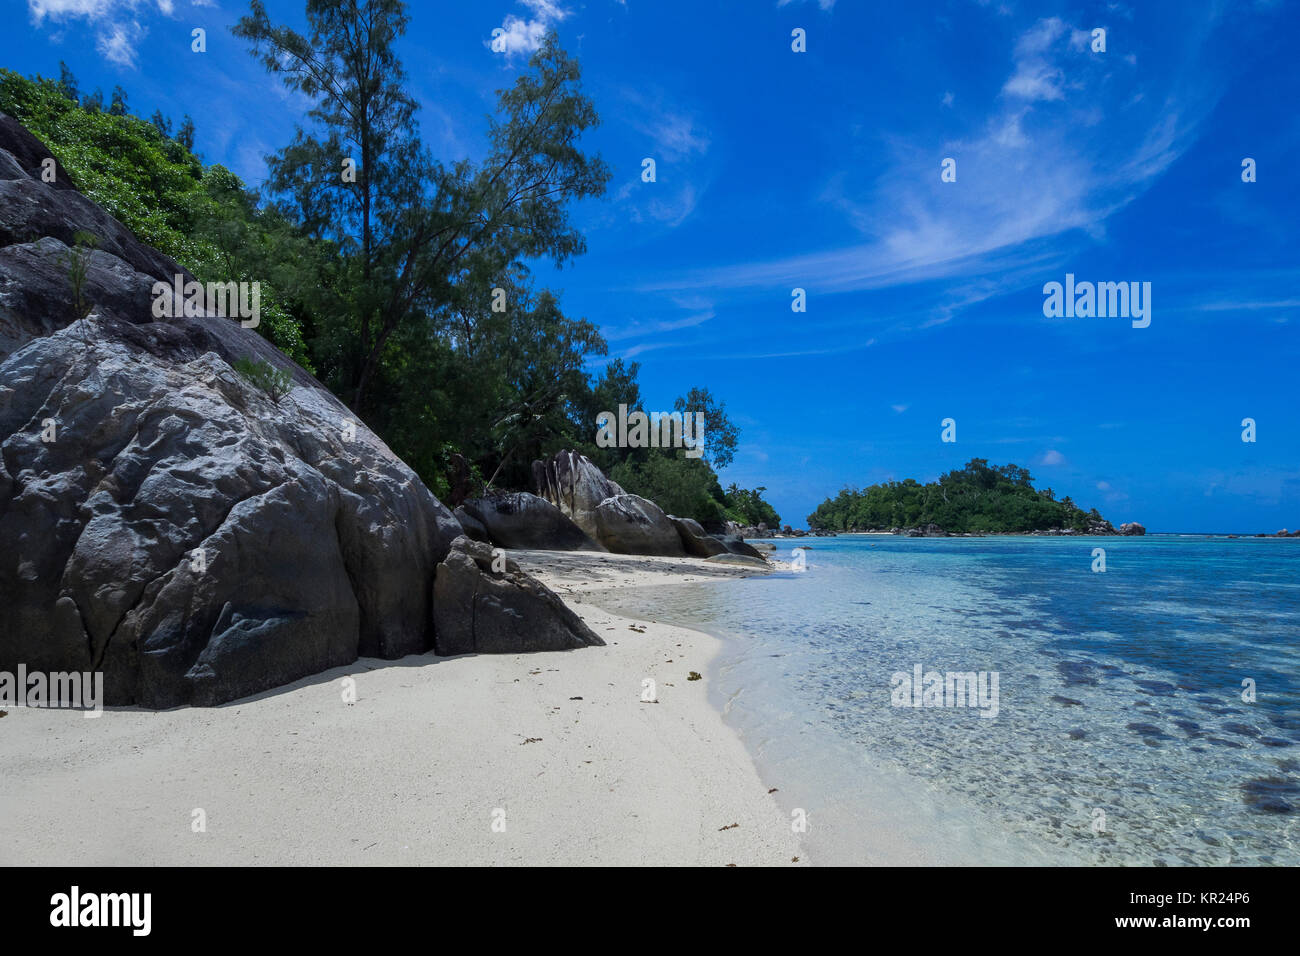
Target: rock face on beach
629 524
576 486
167 523
479 608
517 519
1132 527
186 535
621 522
735 544
695 540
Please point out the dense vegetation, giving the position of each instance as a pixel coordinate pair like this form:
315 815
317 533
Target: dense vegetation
403 284
978 498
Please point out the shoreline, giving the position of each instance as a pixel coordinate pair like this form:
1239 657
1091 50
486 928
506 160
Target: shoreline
859 810
418 769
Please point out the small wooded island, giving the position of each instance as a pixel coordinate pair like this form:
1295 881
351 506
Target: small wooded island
979 499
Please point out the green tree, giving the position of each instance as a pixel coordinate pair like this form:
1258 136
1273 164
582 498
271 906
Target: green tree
977 497
680 486
67 82
162 123
721 436
410 228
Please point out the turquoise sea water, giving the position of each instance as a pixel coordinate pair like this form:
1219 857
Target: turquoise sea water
1122 735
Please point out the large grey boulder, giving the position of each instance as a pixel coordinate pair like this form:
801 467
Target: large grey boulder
189 537
472 527
163 520
694 539
630 524
1132 527
737 545
576 486
479 609
519 520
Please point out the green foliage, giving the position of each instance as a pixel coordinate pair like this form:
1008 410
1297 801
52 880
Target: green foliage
720 435
422 245
978 498
275 382
681 486
689 488
748 507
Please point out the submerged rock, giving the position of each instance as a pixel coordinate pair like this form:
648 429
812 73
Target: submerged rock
1271 794
740 559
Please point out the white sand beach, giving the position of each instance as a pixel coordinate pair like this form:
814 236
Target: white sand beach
417 770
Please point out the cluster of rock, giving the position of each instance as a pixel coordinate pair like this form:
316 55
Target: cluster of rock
577 508
762 531
1284 533
934 531
1097 529
169 525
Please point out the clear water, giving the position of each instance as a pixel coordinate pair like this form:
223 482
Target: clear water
1122 735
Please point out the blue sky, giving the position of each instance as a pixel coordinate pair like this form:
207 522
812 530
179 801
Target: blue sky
821 170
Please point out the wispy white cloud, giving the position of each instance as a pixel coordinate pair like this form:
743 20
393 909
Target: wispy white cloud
795 353
637 328
1044 161
118 43
1036 76
666 204
63 9
524 35
636 350
1249 305
119 32
672 135
675 138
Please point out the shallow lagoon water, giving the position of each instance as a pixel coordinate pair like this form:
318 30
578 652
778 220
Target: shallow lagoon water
1122 735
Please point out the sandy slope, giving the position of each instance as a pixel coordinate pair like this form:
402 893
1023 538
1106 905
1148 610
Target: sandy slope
414 770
